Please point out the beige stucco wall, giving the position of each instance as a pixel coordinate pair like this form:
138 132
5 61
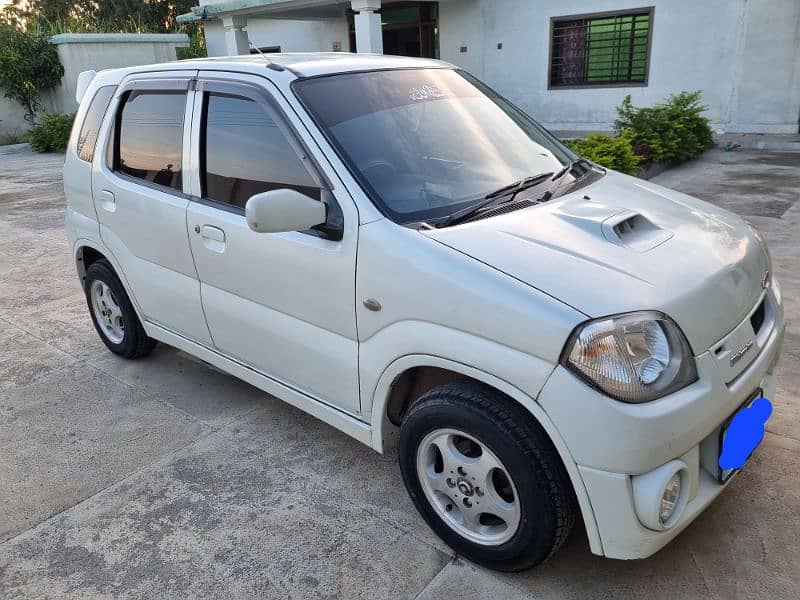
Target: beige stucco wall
96 51
83 51
11 117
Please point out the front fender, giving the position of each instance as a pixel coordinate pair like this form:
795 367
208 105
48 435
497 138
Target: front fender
525 371
383 431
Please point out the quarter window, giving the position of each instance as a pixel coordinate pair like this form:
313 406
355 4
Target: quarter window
149 143
245 153
600 50
87 139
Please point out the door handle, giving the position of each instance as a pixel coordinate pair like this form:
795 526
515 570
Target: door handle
213 238
108 201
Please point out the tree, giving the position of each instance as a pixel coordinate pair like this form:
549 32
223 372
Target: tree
28 64
120 15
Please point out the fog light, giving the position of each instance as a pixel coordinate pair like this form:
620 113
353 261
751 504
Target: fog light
672 492
661 495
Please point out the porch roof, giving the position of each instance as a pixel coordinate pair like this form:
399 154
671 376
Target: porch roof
285 9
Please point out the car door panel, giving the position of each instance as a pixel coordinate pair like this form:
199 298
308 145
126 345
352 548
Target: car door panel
144 225
283 303
259 314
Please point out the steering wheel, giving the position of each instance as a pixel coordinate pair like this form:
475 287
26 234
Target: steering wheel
379 163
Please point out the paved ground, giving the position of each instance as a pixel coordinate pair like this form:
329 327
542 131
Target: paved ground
166 478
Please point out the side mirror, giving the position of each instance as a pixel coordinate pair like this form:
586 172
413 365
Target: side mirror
282 210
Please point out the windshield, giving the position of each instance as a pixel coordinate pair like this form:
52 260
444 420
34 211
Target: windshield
425 143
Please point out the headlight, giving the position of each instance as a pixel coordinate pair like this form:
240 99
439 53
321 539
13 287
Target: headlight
635 357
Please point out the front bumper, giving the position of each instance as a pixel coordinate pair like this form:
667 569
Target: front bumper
611 442
621 533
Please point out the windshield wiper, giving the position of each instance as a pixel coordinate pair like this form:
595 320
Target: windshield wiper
568 167
490 200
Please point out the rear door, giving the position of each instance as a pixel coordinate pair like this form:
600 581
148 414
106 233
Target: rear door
283 303
139 195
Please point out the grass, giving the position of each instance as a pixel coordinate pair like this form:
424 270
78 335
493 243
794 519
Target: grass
12 138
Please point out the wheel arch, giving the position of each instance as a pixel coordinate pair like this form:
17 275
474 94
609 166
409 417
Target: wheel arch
408 377
85 256
85 252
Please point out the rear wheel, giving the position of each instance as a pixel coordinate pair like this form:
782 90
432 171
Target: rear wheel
485 476
113 314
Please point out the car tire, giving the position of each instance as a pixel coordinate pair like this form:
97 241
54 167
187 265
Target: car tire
488 439
112 313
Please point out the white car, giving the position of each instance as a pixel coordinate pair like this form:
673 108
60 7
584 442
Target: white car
391 246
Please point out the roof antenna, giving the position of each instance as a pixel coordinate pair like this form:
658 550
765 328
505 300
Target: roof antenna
270 64
258 50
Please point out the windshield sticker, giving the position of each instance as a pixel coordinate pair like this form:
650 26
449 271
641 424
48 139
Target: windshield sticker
426 92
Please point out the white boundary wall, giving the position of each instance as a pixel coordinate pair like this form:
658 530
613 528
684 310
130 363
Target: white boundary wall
84 51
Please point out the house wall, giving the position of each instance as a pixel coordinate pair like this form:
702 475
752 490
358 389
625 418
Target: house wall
743 54
317 35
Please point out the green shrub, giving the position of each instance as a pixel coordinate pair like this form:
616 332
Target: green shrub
612 152
672 130
51 133
28 64
196 48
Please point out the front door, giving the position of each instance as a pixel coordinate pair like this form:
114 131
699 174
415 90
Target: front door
282 303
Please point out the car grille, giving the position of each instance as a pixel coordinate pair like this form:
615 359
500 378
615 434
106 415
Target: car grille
757 318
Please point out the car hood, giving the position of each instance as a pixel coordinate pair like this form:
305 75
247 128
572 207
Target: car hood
623 244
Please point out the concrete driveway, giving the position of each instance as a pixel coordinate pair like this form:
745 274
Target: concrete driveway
166 478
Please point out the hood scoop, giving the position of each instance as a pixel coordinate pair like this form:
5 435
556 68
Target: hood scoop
635 231
620 226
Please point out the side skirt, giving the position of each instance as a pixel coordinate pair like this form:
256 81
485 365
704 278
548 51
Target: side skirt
327 413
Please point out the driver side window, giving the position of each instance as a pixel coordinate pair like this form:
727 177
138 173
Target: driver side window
243 152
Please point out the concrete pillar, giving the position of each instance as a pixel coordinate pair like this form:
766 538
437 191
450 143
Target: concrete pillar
369 33
236 40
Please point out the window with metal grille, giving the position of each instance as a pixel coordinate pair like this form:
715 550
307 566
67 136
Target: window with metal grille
601 50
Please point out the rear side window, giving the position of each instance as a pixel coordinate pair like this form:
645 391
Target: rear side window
87 139
245 153
149 137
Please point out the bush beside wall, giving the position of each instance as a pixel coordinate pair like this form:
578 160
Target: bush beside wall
672 131
612 152
51 133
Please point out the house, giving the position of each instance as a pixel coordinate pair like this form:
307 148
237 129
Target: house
568 63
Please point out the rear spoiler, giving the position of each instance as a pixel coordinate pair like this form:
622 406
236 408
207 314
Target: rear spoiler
84 79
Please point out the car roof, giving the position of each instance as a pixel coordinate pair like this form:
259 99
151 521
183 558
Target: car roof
311 64
301 64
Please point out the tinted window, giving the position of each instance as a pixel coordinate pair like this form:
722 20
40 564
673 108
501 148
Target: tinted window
246 153
94 119
426 143
150 137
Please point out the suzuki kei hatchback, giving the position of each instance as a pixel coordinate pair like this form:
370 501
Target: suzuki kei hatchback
391 246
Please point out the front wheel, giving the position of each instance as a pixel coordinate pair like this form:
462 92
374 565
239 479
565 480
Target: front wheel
485 476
